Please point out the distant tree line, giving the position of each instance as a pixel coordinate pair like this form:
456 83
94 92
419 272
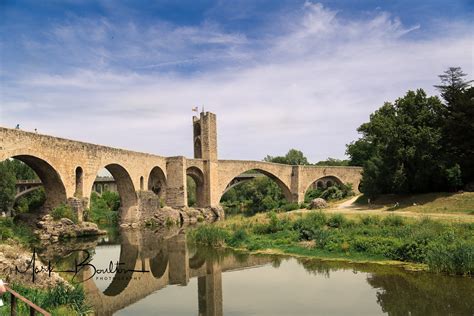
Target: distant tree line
419 143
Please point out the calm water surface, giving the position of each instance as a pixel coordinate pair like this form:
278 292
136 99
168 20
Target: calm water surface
173 277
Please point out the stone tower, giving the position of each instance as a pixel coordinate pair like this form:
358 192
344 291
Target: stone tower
205 136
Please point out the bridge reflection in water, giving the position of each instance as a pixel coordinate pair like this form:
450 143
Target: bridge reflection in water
167 260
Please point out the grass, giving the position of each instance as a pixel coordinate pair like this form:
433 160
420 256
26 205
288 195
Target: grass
440 246
60 300
425 203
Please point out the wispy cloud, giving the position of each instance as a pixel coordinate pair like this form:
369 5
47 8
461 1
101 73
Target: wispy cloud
308 84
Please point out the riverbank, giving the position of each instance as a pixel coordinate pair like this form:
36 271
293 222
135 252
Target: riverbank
52 291
425 244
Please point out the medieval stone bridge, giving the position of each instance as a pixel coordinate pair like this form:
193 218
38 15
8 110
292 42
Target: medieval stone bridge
69 168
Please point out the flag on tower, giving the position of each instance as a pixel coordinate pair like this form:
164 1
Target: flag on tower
195 109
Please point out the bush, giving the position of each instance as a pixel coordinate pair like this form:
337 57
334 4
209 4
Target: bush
63 211
457 258
412 251
369 220
336 221
211 235
393 220
289 207
239 236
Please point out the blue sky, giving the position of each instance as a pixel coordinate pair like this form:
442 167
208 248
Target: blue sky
278 74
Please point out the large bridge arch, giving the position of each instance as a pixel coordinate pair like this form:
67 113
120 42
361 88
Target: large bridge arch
51 179
125 188
229 170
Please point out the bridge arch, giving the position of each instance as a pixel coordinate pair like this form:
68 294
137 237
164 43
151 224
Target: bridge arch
159 263
126 190
324 182
157 182
53 184
284 188
198 176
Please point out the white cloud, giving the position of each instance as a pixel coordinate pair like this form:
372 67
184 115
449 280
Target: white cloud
308 87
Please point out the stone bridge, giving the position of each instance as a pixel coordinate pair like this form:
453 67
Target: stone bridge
69 168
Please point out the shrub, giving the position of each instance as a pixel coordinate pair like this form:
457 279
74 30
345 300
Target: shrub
211 235
303 205
308 225
238 237
384 246
457 258
336 221
369 220
63 211
289 207
411 251
393 220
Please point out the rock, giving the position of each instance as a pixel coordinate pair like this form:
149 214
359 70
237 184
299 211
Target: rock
12 256
318 203
66 221
52 230
218 211
44 236
134 225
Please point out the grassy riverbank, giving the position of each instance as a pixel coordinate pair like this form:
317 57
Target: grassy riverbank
60 299
439 246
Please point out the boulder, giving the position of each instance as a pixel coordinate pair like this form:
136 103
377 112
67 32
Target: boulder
318 203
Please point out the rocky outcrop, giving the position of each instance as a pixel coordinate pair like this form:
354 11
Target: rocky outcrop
14 256
54 230
168 216
318 204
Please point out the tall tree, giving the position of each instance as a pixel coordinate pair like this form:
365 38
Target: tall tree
400 147
458 123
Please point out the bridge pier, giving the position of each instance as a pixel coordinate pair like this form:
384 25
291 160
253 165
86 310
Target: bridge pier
176 190
178 260
210 300
297 196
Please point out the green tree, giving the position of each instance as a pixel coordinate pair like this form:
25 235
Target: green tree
7 186
332 162
292 157
458 123
401 148
22 171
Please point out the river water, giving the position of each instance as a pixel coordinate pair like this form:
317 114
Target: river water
172 277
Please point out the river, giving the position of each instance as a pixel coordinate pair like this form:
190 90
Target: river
173 277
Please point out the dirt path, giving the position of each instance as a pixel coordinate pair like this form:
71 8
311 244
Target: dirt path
348 208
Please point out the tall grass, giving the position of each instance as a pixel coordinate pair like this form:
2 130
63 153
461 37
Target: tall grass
59 300
444 247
